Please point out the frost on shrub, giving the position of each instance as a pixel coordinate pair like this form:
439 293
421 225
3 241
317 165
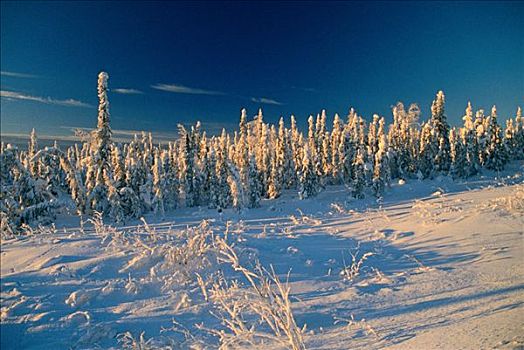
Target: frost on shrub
255 313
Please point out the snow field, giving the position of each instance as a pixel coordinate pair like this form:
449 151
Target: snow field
437 265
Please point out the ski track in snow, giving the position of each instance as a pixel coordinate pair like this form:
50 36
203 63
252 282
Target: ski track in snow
446 271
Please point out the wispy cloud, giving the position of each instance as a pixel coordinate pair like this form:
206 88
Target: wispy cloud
304 88
268 101
17 75
125 91
47 100
180 89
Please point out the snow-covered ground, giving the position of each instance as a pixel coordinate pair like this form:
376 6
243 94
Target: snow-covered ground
445 270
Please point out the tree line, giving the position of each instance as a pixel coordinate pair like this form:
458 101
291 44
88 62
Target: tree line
259 160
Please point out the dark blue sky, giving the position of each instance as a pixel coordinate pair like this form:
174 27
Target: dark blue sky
291 57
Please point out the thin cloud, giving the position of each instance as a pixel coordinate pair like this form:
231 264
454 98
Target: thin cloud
125 91
304 88
17 75
265 100
180 89
47 100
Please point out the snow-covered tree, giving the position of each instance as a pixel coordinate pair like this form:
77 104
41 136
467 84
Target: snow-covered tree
428 150
481 135
359 180
75 184
102 134
441 129
308 178
458 155
253 194
381 176
518 136
172 183
276 179
238 168
469 141
496 156
296 151
236 188
413 115
116 210
118 167
158 185
32 148
187 169
336 156
99 162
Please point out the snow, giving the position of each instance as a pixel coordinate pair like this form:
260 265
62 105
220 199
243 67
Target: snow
437 264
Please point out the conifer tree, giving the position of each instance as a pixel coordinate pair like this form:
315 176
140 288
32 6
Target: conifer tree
347 152
296 145
172 184
413 115
359 180
308 186
31 151
336 157
100 152
519 135
510 145
118 168
495 152
158 185
373 136
242 159
236 188
98 196
102 134
481 135
76 187
116 210
224 198
469 141
253 196
441 129
187 171
381 176
458 155
212 180
428 150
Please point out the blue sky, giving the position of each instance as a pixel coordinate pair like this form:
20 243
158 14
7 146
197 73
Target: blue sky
185 61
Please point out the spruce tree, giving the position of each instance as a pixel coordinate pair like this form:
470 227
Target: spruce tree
31 151
381 175
309 183
188 171
296 145
481 135
496 156
116 210
458 155
276 180
99 162
118 168
224 199
428 150
519 135
253 196
441 129
359 180
102 134
158 185
469 140
172 183
336 157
